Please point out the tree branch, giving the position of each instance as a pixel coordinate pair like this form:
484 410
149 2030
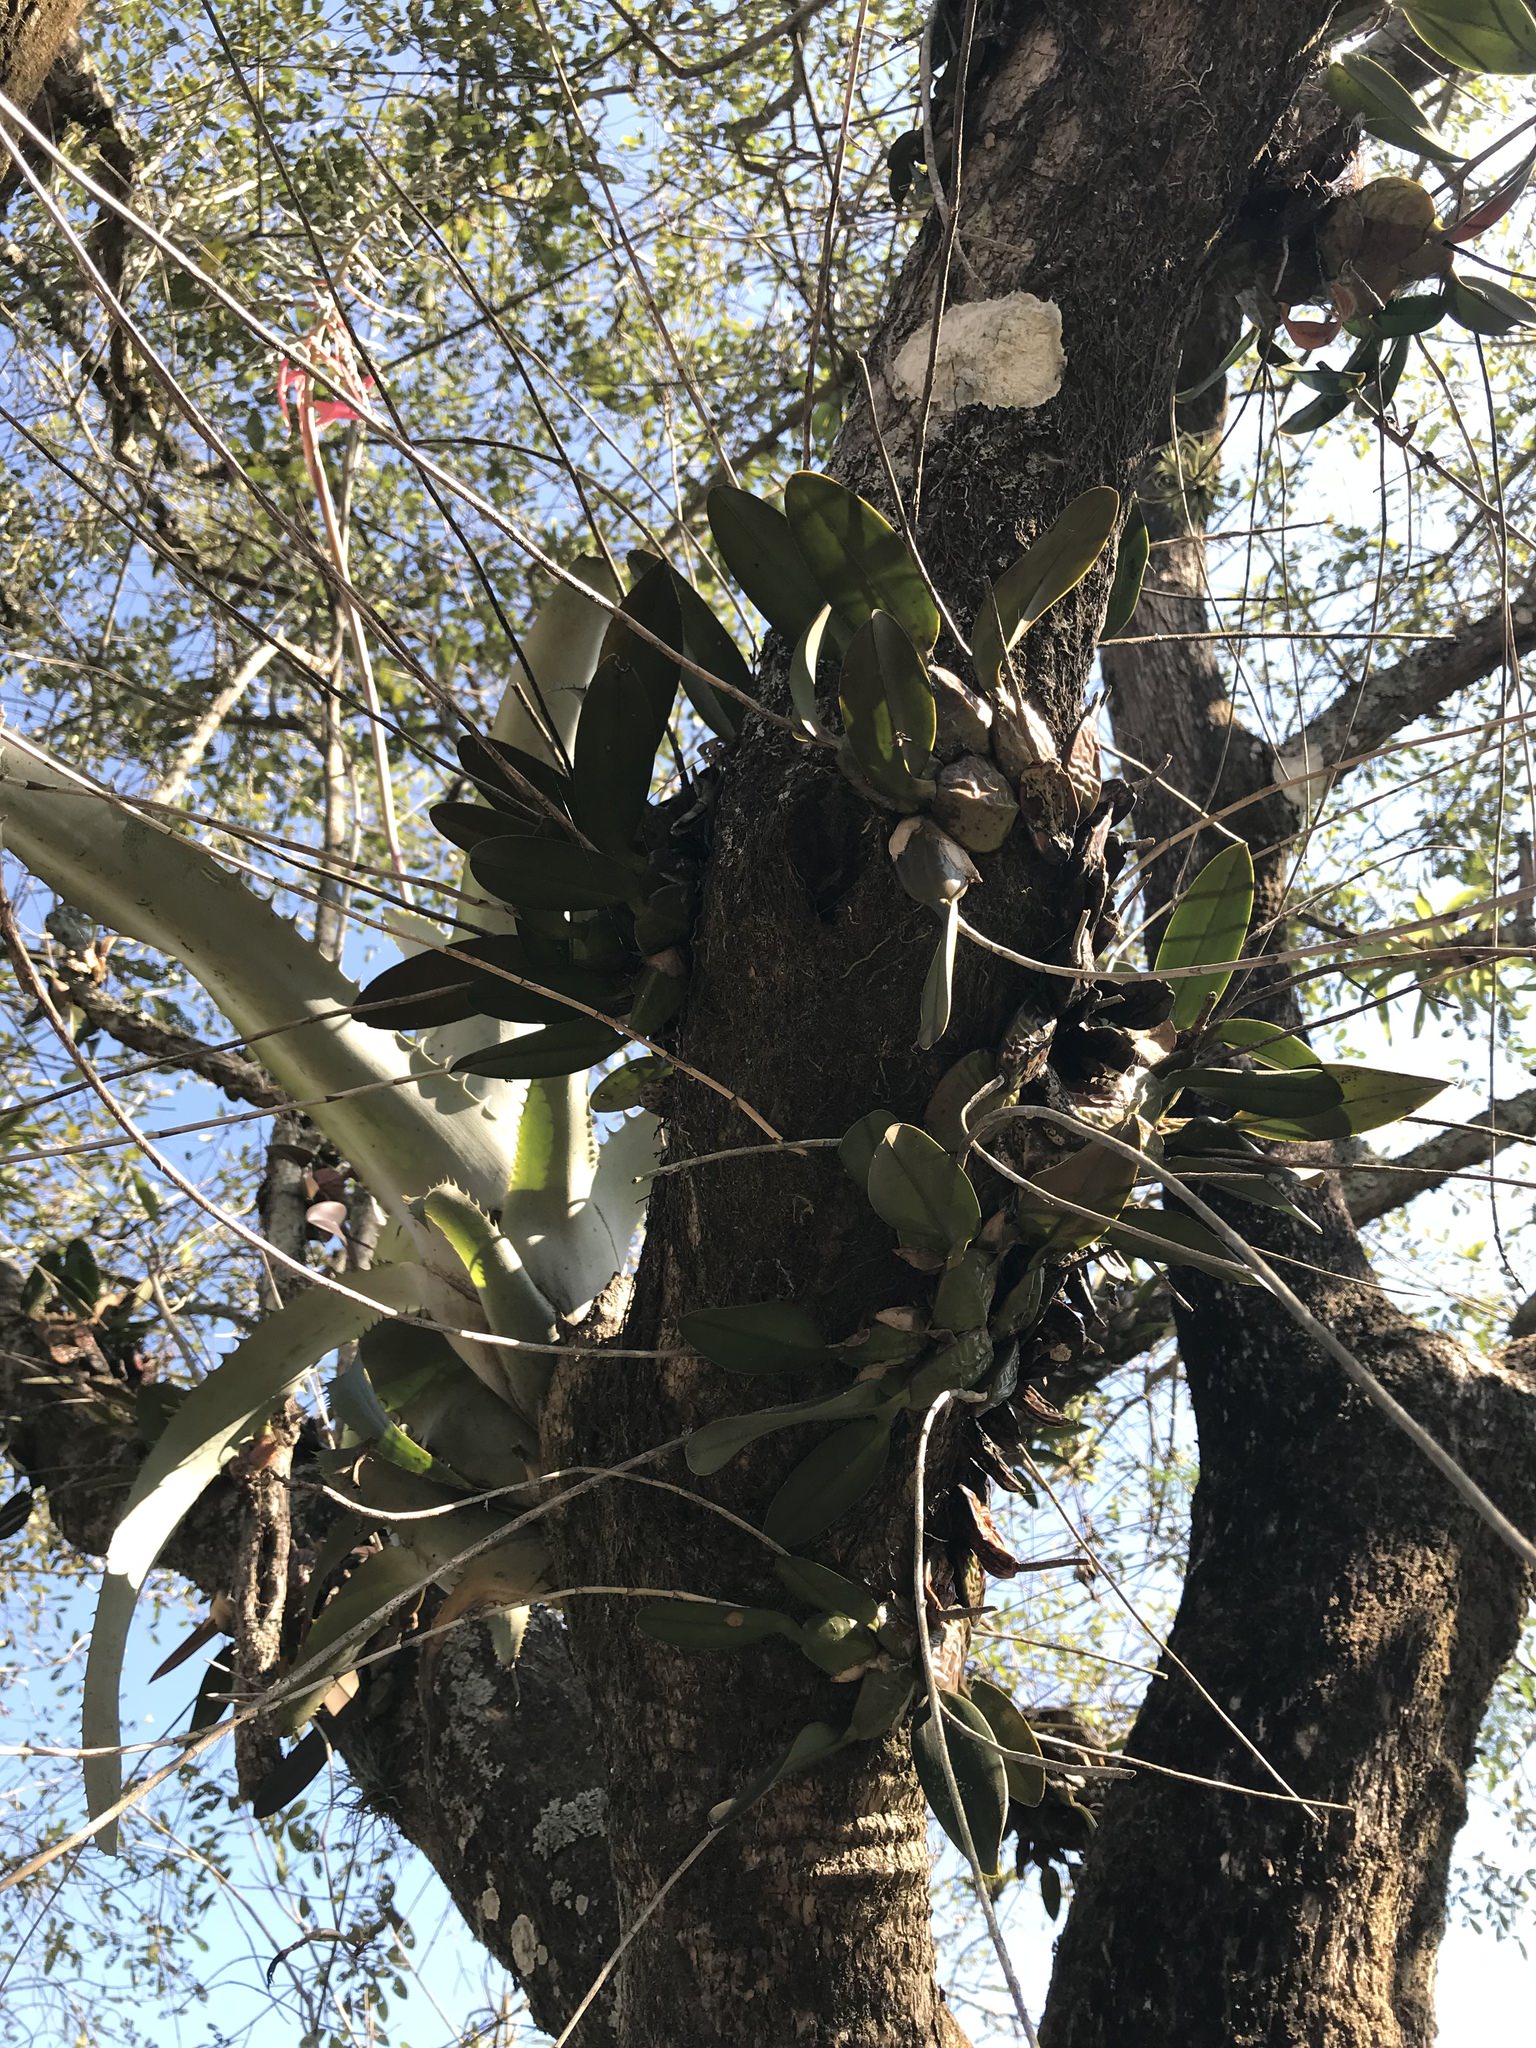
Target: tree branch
1375 1187
490 1770
238 1077
1366 714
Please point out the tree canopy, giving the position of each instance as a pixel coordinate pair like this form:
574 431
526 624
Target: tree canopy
769 891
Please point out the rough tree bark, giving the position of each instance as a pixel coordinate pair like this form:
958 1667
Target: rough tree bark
1106 150
1337 1604
1340 1604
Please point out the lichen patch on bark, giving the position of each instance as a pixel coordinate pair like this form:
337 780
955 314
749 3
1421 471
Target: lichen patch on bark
997 352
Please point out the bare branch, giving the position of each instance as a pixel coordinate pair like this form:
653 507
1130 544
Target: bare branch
1374 1188
1365 714
241 1079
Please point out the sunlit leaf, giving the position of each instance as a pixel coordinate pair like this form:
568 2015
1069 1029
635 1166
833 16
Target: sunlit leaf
857 560
1056 563
1209 922
758 548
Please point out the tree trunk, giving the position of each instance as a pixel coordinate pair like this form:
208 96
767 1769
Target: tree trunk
1105 149
1340 1604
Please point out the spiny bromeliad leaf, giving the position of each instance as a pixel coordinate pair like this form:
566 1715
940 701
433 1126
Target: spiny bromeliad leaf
758 1337
217 1414
335 1639
979 1776
857 560
1025 1773
916 1187
829 1480
1209 922
1054 564
758 547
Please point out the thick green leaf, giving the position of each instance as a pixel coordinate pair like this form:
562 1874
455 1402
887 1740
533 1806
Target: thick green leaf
289 1777
1056 563
925 1196
951 1371
713 1624
857 559
1416 314
1267 1043
568 1048
1234 354
1286 1093
1321 410
1026 1779
625 1086
430 989
1171 1239
758 547
544 874
717 1442
815 1741
938 984
1209 922
344 1624
507 774
802 675
465 825
964 1294
860 1143
970 1081
822 1588
1130 569
1477 35
1019 1308
1362 86
706 642
615 755
883 1698
1095 1177
758 1337
888 707
1484 306
979 1775
1369 1098
218 1414
836 1643
828 1480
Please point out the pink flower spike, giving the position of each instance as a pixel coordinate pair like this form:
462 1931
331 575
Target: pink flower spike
288 379
329 410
